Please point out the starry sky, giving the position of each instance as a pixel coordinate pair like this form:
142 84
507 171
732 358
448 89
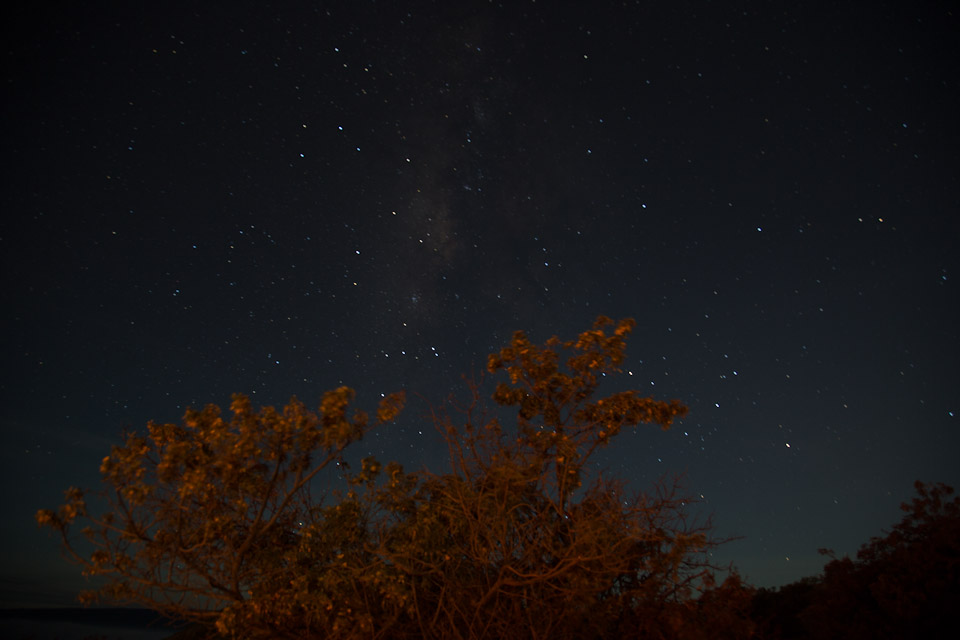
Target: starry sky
282 198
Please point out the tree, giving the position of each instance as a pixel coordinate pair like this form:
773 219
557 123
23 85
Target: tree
526 543
777 612
905 584
519 538
200 513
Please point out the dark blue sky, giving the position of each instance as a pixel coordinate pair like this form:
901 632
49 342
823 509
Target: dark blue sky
280 200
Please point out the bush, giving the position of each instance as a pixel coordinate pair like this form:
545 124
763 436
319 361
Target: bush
214 521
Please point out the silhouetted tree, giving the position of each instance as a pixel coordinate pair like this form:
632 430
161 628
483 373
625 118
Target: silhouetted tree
214 521
905 584
777 611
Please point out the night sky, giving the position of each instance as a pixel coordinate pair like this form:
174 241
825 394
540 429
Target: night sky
280 199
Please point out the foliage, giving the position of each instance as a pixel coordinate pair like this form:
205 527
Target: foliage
905 584
200 513
902 585
777 611
520 538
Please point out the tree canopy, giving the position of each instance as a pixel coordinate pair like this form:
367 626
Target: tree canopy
235 524
901 585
